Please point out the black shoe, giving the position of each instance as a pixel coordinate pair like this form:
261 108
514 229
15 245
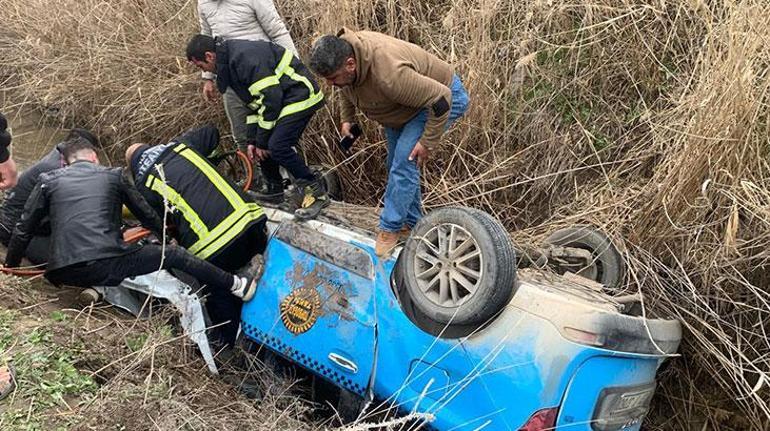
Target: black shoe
314 199
271 192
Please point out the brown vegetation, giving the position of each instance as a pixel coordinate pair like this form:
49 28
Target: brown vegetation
647 118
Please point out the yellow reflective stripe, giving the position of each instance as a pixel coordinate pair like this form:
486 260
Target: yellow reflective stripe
267 125
312 99
297 77
301 106
228 229
196 224
256 88
216 179
284 63
284 67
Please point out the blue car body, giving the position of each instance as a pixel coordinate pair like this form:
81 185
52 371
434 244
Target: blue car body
327 303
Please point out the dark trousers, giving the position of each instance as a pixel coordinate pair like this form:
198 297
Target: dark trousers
284 137
37 250
238 253
111 271
225 309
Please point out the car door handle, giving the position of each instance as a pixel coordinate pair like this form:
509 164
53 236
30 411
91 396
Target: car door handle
343 362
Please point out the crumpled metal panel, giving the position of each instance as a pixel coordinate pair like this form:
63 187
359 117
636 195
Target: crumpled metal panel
161 284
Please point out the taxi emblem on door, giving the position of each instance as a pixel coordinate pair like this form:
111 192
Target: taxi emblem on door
300 309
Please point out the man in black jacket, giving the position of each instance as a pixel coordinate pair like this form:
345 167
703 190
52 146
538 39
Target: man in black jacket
283 97
15 198
84 202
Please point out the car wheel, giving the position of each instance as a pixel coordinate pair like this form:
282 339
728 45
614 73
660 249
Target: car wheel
607 266
456 267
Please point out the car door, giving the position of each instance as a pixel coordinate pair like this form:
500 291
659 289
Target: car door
314 305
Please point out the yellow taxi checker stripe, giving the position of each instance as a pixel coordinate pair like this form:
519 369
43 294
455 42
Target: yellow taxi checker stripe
228 229
220 183
196 224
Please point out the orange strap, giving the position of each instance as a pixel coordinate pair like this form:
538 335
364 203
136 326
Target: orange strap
249 171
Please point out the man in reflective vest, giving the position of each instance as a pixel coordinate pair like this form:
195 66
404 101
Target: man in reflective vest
283 97
211 217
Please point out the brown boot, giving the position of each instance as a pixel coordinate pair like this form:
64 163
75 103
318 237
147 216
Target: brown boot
386 242
404 233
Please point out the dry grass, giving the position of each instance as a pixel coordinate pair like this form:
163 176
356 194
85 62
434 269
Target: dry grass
647 118
94 369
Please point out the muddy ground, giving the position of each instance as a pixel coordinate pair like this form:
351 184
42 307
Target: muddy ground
89 368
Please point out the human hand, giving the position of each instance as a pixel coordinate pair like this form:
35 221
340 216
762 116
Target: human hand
257 154
421 153
209 90
261 155
8 174
345 129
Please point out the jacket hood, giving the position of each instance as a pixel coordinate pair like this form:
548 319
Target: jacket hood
361 51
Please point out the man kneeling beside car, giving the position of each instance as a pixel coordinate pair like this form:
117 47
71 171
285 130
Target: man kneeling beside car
84 202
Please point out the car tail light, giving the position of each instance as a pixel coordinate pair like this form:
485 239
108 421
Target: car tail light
544 419
583 337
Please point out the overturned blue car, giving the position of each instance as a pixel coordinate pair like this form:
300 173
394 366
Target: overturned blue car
451 332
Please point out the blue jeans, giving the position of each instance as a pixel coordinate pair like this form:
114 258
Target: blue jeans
403 200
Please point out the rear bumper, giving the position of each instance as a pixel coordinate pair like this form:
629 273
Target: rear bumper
606 378
575 310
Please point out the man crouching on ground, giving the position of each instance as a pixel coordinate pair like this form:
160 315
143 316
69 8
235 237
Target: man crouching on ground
215 220
84 202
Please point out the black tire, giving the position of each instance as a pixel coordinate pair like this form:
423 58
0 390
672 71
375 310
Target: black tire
484 264
232 167
608 267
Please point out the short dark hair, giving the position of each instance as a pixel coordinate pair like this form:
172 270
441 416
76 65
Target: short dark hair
328 54
198 46
77 132
71 147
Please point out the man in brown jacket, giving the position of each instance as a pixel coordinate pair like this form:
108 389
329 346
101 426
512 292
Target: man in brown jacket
411 92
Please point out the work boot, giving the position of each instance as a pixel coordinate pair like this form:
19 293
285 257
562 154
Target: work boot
404 233
386 242
270 192
314 198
